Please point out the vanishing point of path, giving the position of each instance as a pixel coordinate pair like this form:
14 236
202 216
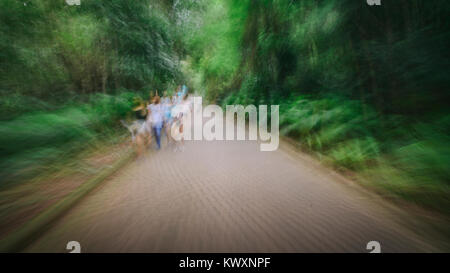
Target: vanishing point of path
229 197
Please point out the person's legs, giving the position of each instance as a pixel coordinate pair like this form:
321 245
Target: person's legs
168 129
157 132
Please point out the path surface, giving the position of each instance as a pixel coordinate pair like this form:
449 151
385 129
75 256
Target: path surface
228 197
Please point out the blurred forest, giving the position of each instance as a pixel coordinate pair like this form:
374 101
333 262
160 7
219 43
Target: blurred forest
362 87
69 73
365 88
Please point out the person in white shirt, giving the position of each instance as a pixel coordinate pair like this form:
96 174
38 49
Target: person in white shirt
156 118
183 109
166 102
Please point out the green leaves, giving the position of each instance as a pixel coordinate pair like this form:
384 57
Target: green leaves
36 139
48 47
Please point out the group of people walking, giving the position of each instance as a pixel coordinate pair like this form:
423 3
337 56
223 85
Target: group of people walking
160 116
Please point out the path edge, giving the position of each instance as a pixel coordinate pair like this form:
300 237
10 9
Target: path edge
30 231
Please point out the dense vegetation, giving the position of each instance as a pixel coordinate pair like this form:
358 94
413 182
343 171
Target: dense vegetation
68 73
363 87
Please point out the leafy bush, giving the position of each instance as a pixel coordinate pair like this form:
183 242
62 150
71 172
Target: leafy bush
355 154
31 141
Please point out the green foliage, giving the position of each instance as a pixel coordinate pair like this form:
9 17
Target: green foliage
427 157
355 154
59 62
334 127
50 50
366 87
31 141
213 41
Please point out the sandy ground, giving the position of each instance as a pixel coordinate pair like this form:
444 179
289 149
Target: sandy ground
228 196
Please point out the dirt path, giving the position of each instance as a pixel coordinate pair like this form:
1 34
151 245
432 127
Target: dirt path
228 197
